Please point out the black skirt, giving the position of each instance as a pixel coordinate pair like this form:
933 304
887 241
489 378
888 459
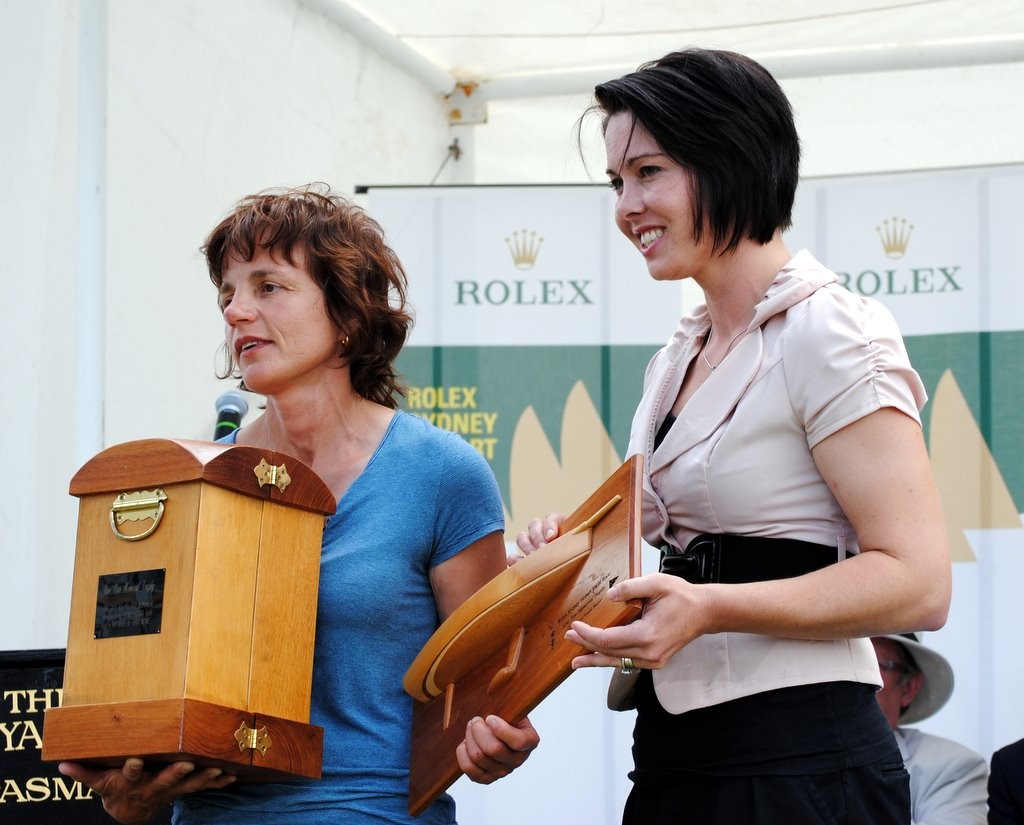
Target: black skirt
808 754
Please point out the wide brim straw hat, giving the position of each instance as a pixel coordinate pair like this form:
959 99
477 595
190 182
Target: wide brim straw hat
938 678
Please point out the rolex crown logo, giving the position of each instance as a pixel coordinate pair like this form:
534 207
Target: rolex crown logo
895 236
524 246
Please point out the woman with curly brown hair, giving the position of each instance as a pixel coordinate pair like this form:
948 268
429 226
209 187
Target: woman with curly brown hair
314 306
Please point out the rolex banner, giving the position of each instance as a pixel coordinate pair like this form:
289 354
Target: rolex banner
535 320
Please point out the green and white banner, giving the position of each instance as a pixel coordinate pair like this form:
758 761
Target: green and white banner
535 320
941 250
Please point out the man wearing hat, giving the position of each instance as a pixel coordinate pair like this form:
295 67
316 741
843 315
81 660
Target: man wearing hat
947 780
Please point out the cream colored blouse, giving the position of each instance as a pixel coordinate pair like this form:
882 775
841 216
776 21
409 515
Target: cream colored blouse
815 358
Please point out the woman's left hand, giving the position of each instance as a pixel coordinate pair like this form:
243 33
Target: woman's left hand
493 748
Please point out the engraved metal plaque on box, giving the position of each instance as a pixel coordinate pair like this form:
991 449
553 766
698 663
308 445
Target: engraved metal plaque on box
129 604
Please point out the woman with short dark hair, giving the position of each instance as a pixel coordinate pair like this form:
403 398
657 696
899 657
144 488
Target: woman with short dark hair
786 478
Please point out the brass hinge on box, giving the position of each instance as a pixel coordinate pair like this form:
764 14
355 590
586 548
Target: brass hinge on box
256 739
269 474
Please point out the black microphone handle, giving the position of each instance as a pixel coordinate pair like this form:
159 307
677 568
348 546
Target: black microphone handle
227 422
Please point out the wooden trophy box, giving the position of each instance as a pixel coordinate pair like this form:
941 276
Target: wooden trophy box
193 610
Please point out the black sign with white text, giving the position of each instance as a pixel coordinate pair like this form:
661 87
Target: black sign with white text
33 792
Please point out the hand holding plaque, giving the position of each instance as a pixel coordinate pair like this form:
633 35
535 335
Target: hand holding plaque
503 650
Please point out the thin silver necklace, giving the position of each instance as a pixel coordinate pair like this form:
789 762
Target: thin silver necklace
707 342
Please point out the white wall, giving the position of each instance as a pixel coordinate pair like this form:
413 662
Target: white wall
38 50
206 102
848 124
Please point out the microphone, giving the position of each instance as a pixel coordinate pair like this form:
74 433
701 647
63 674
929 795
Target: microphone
231 409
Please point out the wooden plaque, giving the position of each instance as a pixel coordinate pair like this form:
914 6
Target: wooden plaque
193 610
504 650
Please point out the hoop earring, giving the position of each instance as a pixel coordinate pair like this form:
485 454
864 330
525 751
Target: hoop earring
229 368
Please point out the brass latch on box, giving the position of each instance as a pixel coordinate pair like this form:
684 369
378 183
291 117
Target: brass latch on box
269 474
135 507
256 739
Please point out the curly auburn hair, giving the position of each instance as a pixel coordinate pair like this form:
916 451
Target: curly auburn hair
363 282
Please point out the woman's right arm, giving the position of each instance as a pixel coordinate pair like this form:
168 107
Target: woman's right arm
878 470
132 795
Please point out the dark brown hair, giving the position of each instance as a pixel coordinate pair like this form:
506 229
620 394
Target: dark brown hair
363 281
724 119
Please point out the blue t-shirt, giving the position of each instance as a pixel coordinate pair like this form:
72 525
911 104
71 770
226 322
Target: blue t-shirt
424 496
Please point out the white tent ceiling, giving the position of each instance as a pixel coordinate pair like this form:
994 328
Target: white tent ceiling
538 47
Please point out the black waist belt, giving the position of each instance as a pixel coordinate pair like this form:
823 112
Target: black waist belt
735 559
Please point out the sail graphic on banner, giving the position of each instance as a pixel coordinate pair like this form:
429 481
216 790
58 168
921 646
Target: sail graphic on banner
541 481
973 493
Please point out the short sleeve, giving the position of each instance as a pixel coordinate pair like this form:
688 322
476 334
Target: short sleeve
844 358
469 504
